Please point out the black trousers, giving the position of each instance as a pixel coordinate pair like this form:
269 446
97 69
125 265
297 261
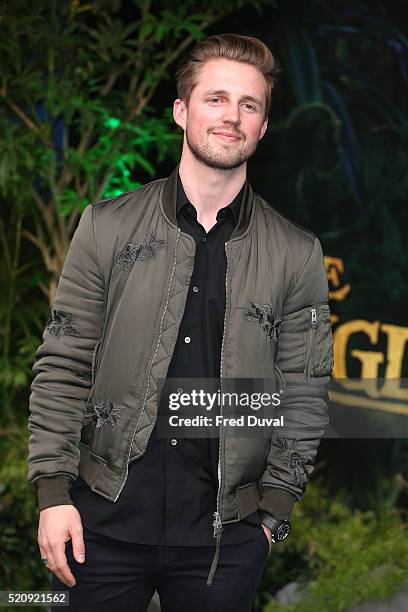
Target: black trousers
123 576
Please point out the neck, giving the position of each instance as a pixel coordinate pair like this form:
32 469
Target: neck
209 189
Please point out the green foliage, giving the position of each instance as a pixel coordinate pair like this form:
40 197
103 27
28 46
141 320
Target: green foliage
20 565
341 557
73 125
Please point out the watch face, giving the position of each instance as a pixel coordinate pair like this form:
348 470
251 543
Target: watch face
282 531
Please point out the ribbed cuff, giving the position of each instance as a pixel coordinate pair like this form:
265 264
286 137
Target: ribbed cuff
53 491
277 502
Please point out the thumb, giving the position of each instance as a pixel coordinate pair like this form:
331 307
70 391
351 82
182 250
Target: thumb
78 546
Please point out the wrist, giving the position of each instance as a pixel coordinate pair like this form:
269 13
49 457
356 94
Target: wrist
278 528
53 491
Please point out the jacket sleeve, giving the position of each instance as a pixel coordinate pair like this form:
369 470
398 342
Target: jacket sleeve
304 362
63 367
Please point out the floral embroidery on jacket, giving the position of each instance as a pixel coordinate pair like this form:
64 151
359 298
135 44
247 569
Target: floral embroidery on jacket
59 324
101 413
293 459
263 314
146 250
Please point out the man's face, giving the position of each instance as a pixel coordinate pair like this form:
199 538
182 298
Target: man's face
229 98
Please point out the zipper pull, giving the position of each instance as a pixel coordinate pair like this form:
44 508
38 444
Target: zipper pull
309 349
217 524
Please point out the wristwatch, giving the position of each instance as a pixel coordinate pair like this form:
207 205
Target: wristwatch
279 528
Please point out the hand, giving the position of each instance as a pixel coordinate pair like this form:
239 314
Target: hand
58 525
268 535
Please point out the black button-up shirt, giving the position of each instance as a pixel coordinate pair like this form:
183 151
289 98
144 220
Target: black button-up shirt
170 494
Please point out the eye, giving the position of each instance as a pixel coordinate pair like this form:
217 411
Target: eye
215 98
251 106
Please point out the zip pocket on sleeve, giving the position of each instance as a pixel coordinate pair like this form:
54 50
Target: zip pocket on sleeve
319 343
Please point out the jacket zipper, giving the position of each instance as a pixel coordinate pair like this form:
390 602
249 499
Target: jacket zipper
309 356
217 524
151 364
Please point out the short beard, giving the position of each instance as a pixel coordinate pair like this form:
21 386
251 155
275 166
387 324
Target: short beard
213 160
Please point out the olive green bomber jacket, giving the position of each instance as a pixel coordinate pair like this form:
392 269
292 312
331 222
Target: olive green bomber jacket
112 332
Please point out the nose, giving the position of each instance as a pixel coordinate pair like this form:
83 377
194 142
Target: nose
231 114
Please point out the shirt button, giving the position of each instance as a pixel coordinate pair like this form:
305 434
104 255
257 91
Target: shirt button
195 289
173 441
187 339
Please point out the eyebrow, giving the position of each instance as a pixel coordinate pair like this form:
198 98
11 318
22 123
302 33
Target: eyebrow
225 92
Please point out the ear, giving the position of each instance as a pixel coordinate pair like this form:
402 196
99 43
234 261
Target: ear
263 128
180 113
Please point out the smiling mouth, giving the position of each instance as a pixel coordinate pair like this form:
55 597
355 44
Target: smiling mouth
227 137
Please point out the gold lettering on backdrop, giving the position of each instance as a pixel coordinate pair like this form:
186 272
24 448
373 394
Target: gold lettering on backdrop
396 344
370 360
341 337
335 267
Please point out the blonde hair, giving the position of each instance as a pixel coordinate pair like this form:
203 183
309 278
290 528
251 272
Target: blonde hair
245 49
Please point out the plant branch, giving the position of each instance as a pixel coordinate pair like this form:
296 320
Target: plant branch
42 248
45 211
25 119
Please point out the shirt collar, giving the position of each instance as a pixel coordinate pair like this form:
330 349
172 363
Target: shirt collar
182 199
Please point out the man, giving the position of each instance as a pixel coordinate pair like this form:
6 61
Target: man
192 276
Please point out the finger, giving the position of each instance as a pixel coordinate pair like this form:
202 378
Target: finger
59 566
78 545
47 554
62 565
43 554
